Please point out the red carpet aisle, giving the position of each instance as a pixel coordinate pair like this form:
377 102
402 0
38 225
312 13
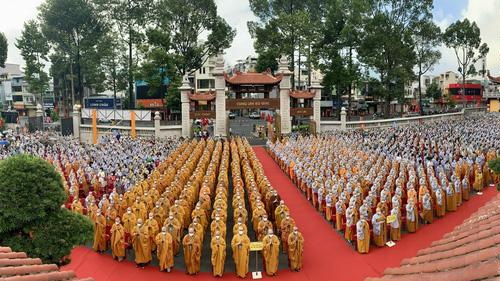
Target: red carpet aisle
327 256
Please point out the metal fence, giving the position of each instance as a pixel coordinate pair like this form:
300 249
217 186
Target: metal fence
67 126
35 124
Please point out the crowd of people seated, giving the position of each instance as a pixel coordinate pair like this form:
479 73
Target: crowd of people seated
111 164
374 185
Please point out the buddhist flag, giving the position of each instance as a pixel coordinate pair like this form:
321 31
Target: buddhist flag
132 124
94 126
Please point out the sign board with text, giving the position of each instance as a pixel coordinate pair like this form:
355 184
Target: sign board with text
252 103
301 111
256 246
391 219
199 114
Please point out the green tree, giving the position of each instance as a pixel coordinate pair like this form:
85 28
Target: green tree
4 47
341 32
426 37
34 49
433 91
267 60
114 64
128 18
387 46
186 21
32 221
74 28
286 27
464 38
495 167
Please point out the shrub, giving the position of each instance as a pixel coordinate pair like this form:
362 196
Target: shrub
31 218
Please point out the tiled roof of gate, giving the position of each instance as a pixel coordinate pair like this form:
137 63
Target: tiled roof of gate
470 252
253 78
17 266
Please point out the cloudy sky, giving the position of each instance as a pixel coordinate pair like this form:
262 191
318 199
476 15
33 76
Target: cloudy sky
237 12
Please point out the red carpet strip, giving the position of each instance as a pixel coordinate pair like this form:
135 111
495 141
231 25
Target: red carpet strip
326 254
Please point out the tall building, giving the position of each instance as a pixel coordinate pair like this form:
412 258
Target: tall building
203 78
245 65
11 78
445 79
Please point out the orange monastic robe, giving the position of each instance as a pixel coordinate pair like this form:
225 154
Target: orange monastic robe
141 243
241 251
271 253
99 234
218 258
192 253
164 250
295 250
363 236
118 241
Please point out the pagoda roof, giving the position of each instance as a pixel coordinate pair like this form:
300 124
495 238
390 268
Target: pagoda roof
253 78
202 96
302 94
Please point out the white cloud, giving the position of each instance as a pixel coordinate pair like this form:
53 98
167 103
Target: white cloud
486 13
237 13
13 14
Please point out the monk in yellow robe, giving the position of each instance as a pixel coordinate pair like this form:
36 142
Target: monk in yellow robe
411 216
271 252
263 229
99 233
427 208
363 236
478 180
379 228
218 258
153 229
174 228
129 222
141 242
440 202
118 240
395 231
77 206
200 213
164 250
451 202
241 252
295 249
280 214
192 252
286 228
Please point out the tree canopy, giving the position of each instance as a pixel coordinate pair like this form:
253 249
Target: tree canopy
34 49
464 37
31 195
4 46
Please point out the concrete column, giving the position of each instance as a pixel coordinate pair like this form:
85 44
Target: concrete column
316 86
220 99
186 120
343 119
39 110
157 124
76 121
285 87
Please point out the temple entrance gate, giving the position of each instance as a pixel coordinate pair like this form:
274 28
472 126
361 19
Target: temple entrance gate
251 104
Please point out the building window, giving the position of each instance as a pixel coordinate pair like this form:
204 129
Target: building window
206 83
203 70
17 89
